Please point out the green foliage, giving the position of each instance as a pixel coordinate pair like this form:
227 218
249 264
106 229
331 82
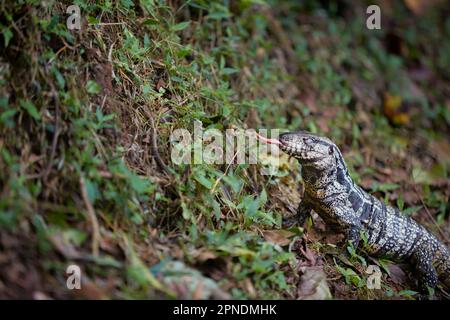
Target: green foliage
65 116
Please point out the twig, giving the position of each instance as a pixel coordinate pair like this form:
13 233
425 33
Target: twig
110 60
428 213
92 217
54 141
154 143
43 174
56 54
224 174
107 24
19 32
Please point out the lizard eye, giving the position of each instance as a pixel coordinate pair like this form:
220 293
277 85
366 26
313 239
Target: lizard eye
330 150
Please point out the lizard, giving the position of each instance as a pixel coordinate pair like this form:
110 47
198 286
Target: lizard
346 207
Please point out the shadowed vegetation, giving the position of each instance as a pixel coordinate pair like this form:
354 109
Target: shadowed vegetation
86 115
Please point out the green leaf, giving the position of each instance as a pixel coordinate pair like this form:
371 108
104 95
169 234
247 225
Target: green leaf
7 36
266 217
199 176
92 87
137 219
138 271
407 293
139 184
92 20
252 207
92 190
411 210
263 198
4 102
180 26
400 202
30 108
150 22
234 182
59 78
218 15
6 116
187 215
384 186
227 71
75 236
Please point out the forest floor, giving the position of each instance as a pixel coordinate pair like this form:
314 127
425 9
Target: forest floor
83 113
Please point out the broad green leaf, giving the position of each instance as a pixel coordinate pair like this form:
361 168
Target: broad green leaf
180 26
92 87
30 108
7 36
199 177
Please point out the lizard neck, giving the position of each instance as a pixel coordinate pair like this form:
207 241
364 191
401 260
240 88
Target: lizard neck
323 177
317 178
342 175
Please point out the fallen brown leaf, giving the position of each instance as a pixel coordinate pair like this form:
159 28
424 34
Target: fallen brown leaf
202 255
313 284
396 273
280 237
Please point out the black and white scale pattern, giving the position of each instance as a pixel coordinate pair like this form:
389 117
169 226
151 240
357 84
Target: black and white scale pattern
346 207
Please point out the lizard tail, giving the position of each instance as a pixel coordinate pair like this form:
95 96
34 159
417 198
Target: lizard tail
442 262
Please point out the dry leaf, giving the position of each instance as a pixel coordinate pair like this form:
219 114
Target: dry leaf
201 255
420 6
396 273
280 237
313 284
64 247
161 84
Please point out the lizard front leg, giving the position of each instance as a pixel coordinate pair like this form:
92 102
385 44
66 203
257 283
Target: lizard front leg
350 221
303 212
353 235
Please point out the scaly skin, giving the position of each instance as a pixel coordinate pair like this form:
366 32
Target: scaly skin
346 207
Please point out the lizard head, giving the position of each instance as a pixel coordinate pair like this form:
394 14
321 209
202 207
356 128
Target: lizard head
306 147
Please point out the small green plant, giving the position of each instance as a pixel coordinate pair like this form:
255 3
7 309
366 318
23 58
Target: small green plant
85 121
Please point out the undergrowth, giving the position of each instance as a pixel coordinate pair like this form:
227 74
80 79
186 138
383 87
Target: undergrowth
83 181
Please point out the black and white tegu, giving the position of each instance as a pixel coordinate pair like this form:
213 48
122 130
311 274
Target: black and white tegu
346 207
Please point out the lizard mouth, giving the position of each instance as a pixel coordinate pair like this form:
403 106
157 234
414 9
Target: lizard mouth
285 146
269 141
